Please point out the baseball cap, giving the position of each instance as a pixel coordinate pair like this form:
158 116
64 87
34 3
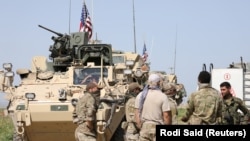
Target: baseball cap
133 85
154 78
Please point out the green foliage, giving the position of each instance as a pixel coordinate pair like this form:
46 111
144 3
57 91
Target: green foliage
6 127
181 112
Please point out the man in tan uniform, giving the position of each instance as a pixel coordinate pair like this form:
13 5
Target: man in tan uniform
86 112
170 90
131 131
152 109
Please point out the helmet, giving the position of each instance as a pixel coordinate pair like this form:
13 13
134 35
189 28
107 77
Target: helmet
134 85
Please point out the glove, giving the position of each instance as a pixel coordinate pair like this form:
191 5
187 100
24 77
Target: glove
184 119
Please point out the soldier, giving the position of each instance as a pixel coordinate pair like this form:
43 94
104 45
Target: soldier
204 106
131 130
86 112
231 105
170 90
152 109
180 93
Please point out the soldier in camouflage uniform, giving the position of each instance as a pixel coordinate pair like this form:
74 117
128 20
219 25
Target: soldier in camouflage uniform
180 93
170 90
131 130
204 107
231 105
86 113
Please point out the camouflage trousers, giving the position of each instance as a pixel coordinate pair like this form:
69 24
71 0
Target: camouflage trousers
83 133
132 133
193 120
148 132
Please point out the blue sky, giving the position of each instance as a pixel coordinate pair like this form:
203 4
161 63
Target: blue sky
202 31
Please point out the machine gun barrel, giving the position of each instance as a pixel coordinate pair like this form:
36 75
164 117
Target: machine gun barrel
59 34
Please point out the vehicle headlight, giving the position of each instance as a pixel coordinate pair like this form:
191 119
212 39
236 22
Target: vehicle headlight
62 94
138 73
7 65
130 62
30 96
127 72
74 101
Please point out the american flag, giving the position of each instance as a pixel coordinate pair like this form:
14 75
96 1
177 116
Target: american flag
85 22
144 53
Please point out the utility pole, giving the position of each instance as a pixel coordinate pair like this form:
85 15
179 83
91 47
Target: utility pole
69 14
134 26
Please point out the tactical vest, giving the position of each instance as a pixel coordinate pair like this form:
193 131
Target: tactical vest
230 113
86 108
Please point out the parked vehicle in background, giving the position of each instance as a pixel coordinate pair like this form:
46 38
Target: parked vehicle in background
42 105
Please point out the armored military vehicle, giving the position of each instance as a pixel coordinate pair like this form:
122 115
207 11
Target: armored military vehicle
42 105
172 78
132 64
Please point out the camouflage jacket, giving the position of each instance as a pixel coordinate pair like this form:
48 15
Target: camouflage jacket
230 113
130 109
204 106
86 107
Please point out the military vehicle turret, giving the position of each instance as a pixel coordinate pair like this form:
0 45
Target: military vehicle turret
42 105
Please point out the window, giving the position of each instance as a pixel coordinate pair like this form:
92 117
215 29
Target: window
118 59
86 75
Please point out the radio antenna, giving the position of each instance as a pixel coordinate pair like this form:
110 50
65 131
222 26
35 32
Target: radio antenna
175 49
134 26
69 14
